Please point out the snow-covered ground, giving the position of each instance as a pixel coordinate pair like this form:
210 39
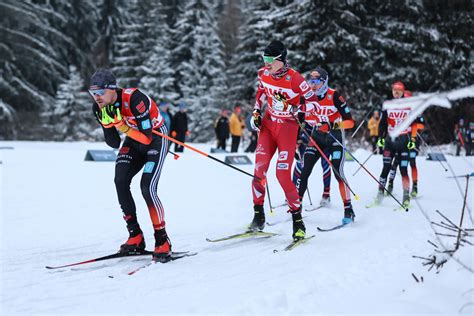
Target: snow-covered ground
57 208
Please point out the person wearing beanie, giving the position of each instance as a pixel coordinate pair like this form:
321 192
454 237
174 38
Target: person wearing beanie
396 151
166 113
328 122
221 127
282 87
413 153
179 127
131 112
236 126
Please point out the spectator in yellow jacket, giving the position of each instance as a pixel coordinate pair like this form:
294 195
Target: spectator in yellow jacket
236 126
373 126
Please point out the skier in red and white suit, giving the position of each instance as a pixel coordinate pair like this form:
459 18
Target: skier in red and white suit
282 87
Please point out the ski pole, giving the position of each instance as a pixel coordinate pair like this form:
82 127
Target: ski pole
430 151
313 142
307 188
269 199
176 156
204 154
362 166
309 196
363 120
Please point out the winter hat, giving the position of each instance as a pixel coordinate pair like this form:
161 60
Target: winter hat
320 74
398 85
104 79
276 49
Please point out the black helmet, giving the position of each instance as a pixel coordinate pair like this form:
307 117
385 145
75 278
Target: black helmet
317 76
104 79
276 49
318 73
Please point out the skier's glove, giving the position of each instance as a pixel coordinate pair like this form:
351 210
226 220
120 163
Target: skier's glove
381 142
256 120
412 143
110 116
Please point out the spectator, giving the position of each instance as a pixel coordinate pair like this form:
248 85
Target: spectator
179 127
236 125
167 116
221 126
463 137
373 126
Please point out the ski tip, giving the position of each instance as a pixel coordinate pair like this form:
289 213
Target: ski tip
356 197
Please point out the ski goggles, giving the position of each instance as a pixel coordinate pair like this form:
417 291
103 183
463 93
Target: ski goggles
269 60
315 81
94 92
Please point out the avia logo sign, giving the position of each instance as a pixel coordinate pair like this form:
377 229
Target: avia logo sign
397 115
325 111
271 92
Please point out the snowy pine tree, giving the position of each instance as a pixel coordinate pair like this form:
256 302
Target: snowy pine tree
158 79
70 116
202 82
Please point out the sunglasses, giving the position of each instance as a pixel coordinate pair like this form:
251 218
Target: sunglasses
99 92
315 81
269 60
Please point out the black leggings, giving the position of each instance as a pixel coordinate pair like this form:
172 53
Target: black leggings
312 155
396 149
133 156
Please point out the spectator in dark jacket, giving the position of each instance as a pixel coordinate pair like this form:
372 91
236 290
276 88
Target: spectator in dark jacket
221 126
179 127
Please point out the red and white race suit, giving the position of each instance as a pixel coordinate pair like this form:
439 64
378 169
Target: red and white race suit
279 130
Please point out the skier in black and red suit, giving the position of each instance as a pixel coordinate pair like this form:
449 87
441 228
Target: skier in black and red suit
135 114
333 116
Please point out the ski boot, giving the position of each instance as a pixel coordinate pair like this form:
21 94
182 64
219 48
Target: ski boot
414 190
325 200
299 230
348 214
378 200
390 187
258 222
135 243
162 252
406 200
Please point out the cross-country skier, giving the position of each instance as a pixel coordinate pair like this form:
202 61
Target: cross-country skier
332 115
135 114
399 147
302 143
282 87
412 157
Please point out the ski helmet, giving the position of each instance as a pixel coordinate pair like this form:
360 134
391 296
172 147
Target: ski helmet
104 79
317 76
277 50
